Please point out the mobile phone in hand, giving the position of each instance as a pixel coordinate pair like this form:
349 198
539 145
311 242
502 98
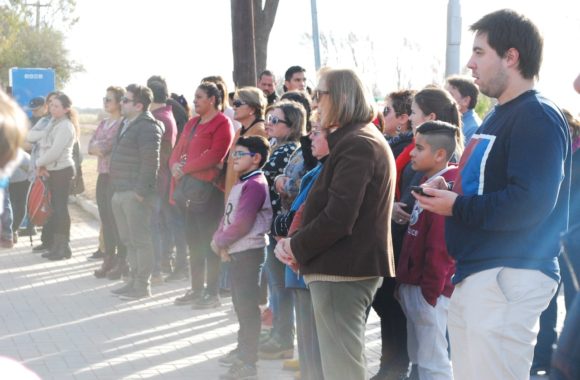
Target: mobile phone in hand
419 190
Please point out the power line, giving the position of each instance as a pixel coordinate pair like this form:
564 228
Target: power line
38 6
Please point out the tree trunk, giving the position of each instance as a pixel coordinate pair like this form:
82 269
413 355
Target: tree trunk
243 43
263 22
251 27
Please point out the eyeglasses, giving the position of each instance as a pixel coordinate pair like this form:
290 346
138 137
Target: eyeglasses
275 120
315 132
238 103
317 94
107 100
240 154
125 99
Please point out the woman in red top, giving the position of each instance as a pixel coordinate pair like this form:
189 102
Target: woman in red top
200 151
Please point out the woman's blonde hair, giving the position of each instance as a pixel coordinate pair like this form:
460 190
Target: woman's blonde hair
295 116
254 98
350 101
13 124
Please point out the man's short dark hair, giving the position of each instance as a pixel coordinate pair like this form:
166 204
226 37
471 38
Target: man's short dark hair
156 78
141 94
466 87
256 144
267 73
440 135
159 90
506 29
293 70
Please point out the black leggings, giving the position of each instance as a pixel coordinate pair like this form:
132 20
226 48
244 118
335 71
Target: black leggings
203 261
59 186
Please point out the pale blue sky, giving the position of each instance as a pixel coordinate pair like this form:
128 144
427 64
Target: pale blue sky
125 41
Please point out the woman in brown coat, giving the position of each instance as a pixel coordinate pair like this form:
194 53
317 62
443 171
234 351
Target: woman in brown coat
344 245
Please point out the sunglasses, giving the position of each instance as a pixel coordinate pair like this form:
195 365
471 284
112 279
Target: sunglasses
275 120
387 110
238 103
318 93
107 100
240 154
125 99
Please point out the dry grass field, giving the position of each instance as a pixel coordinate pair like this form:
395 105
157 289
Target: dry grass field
89 162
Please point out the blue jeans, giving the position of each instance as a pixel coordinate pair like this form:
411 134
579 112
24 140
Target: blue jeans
281 299
6 218
168 228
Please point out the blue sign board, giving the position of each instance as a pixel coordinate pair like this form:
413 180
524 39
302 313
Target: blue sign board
30 83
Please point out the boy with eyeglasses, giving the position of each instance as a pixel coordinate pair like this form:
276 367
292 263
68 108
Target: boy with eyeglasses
241 239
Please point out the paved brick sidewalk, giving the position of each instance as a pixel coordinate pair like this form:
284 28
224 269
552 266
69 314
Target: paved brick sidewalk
63 323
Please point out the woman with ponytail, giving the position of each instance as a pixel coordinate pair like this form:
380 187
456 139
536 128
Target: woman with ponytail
55 162
428 104
200 153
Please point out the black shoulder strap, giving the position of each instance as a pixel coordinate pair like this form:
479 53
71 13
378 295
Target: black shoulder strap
192 132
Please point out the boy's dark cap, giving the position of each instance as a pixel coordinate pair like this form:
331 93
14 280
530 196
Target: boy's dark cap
36 102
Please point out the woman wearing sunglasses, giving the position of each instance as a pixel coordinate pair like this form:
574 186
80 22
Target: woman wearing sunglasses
285 124
101 145
249 108
343 247
397 114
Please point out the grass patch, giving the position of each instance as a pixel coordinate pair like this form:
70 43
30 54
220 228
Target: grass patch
90 177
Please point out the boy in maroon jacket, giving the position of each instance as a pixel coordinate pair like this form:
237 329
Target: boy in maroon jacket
425 269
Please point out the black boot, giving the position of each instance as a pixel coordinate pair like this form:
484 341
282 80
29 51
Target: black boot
109 263
54 247
119 270
41 248
63 250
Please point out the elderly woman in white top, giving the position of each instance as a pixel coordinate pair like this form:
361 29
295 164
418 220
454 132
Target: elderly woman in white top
55 163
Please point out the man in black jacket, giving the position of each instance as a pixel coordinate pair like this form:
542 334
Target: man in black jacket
134 166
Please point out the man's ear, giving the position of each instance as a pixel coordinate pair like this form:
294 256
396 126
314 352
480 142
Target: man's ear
464 103
512 57
441 155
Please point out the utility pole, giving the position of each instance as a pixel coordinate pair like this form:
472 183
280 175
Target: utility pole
453 38
315 35
38 6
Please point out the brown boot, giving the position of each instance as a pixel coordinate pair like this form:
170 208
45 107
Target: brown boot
109 262
121 268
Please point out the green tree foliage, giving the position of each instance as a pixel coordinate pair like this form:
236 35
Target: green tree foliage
24 45
484 105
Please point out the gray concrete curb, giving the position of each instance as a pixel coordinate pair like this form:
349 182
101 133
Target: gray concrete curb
87 205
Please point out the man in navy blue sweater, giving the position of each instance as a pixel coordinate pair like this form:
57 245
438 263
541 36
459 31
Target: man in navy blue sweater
507 207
